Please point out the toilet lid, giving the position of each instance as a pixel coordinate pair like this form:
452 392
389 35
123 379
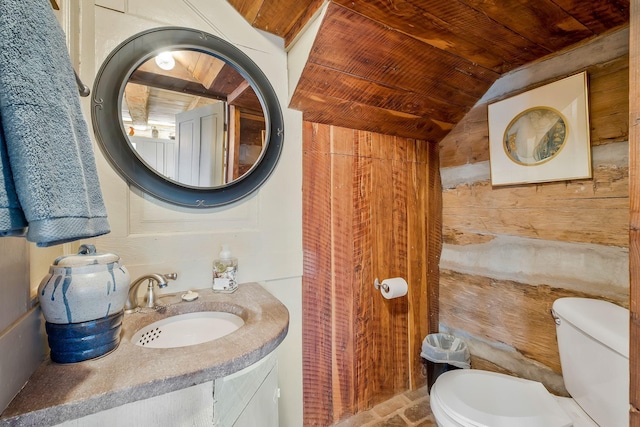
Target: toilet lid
479 398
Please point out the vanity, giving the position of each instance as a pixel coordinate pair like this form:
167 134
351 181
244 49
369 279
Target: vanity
216 372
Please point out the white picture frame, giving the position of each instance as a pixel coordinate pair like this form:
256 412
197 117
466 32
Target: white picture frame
541 135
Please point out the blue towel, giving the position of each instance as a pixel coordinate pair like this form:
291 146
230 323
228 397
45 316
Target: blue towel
49 182
12 220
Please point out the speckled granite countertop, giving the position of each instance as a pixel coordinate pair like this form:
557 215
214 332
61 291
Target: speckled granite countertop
60 392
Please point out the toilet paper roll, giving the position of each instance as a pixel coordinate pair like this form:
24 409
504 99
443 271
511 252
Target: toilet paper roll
397 287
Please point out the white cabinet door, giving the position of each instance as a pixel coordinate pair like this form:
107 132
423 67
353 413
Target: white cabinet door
189 407
248 398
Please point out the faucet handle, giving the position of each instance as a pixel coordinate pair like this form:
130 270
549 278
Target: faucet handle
151 297
168 276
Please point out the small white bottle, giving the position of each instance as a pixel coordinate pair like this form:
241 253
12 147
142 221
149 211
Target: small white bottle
225 269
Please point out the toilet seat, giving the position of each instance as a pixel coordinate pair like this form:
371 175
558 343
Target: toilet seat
476 398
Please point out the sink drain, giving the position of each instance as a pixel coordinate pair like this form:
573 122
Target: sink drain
149 336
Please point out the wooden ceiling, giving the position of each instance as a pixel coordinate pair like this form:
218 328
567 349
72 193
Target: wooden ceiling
153 96
413 68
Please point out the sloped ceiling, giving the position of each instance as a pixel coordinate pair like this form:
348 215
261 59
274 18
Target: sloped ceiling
413 68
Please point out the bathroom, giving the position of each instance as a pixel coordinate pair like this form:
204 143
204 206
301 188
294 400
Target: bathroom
266 231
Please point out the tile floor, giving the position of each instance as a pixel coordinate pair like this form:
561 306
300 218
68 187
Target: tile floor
409 409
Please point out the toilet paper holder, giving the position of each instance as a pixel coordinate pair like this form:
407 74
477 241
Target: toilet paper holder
378 285
394 287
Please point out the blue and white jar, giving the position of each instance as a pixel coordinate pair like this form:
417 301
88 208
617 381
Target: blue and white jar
84 287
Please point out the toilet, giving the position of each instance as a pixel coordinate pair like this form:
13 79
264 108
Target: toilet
593 341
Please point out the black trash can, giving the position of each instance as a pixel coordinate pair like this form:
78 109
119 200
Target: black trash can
442 353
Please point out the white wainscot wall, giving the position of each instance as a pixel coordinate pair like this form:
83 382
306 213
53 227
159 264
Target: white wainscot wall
263 231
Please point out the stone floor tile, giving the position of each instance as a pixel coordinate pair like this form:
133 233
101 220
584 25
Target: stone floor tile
417 393
418 411
429 422
390 406
395 421
409 409
358 420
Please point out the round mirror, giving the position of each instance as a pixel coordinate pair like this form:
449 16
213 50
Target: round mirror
187 117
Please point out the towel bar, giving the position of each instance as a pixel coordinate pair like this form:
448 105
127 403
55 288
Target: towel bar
82 88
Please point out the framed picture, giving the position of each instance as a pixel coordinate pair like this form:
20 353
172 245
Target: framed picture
541 135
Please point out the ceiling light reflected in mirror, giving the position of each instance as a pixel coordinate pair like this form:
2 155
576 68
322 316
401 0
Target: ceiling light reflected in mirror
165 61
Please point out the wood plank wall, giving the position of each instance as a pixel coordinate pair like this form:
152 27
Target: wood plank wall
371 209
634 202
509 252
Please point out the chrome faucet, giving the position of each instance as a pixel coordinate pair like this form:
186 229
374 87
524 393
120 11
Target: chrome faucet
150 296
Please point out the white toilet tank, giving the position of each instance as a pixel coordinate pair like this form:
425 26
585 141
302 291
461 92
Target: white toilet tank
593 340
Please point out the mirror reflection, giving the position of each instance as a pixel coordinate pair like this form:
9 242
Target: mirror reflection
193 118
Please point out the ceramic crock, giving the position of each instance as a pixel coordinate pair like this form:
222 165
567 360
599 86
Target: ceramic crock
84 287
76 342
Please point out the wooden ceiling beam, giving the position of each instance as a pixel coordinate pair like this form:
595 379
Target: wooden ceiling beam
455 28
137 98
203 67
541 21
439 32
347 87
238 92
173 84
324 109
599 17
359 46
284 18
245 97
228 80
179 71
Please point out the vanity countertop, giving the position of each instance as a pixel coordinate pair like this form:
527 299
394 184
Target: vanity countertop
60 392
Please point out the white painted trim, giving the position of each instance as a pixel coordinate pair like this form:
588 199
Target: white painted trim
300 49
289 352
22 349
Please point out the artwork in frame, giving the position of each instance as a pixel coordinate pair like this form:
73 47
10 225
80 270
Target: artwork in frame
541 135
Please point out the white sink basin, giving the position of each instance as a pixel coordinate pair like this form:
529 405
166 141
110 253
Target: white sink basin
187 329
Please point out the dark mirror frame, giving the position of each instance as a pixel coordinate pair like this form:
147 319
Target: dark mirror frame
106 105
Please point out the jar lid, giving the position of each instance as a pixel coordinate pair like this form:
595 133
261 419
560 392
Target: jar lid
86 255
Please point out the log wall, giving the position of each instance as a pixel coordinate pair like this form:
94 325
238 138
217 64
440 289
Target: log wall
371 209
509 252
